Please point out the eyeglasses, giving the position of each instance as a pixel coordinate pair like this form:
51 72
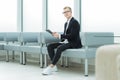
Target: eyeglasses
66 12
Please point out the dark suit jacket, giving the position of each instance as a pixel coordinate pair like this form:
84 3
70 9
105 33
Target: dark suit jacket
72 33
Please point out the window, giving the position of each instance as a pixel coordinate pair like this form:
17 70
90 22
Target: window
8 15
32 15
56 19
101 16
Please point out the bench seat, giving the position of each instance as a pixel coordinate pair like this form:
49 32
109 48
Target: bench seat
80 53
34 49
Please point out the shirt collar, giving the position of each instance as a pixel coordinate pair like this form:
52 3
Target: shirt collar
69 20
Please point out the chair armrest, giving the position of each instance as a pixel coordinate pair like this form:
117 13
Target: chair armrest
107 62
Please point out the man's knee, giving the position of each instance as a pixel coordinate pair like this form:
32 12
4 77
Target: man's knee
49 45
60 49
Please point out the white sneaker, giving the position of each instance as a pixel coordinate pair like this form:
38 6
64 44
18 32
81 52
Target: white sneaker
49 70
54 69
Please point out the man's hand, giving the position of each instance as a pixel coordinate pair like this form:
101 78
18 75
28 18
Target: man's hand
55 34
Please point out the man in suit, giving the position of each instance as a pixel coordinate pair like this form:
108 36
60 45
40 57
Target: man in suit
70 39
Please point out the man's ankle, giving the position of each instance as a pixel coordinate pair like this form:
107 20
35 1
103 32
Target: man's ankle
51 65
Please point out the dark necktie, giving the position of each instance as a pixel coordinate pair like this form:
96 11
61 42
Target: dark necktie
66 27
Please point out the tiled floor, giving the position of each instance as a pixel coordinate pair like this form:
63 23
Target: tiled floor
32 71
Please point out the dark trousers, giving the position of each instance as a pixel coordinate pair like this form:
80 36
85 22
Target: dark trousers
55 56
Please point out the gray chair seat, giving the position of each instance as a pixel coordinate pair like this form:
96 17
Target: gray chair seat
80 53
1 46
44 50
12 47
34 49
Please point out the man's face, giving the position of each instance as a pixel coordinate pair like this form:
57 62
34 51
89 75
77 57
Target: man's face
67 13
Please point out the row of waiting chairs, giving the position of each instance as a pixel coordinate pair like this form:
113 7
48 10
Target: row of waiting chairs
19 41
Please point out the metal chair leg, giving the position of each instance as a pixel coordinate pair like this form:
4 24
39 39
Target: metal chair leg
21 58
24 58
45 60
62 61
7 56
41 60
86 67
66 62
13 55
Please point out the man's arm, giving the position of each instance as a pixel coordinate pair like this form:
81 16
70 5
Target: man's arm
73 31
55 34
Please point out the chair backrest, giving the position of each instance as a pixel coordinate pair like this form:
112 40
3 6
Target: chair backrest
29 37
11 36
2 35
96 38
48 38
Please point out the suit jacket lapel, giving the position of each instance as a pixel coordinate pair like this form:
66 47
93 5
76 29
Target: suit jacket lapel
65 28
69 24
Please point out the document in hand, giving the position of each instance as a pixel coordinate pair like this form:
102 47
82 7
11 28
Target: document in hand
49 31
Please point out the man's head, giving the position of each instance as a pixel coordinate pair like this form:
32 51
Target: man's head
67 11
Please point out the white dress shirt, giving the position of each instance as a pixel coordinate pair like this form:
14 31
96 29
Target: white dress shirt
68 21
